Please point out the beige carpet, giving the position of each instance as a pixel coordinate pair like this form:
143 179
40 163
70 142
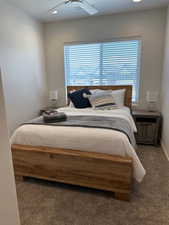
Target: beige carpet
46 203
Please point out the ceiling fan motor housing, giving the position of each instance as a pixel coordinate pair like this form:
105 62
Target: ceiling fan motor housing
74 3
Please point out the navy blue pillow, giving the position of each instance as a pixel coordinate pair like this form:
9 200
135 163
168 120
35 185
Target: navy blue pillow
78 100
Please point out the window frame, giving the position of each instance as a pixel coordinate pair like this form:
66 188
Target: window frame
133 38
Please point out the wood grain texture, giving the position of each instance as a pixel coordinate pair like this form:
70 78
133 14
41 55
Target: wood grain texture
88 169
128 93
19 178
122 196
148 127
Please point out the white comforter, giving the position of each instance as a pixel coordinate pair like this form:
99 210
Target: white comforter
85 139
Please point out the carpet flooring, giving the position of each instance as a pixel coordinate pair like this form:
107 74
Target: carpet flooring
47 203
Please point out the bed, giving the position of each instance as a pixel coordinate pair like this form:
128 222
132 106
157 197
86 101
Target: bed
90 157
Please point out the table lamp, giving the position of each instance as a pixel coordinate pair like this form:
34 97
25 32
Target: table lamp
152 98
53 97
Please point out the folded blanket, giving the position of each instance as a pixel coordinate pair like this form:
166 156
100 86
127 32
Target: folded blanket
102 122
54 117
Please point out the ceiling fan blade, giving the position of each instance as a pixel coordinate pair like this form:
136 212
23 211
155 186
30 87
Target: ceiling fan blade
88 8
62 2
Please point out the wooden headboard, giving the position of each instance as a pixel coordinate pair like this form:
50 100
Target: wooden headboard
128 93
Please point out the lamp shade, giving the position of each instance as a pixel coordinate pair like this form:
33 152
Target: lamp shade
53 95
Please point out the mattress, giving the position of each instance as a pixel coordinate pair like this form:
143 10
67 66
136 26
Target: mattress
83 138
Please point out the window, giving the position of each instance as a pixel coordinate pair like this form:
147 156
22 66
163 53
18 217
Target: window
107 63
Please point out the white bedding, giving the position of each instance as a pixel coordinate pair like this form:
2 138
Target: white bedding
85 139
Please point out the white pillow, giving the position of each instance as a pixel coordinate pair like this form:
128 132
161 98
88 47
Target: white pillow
93 91
71 104
118 96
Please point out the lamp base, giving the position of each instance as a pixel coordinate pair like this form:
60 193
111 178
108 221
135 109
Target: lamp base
53 104
152 107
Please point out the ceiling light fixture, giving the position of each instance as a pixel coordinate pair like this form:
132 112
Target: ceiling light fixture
83 4
137 0
54 12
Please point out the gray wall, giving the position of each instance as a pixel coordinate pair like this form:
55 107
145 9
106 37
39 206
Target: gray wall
22 64
8 205
149 25
165 94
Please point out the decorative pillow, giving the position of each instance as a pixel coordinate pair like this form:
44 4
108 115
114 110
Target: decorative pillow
118 96
79 101
70 103
93 91
102 99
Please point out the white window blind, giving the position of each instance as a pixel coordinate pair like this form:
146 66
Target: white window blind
107 63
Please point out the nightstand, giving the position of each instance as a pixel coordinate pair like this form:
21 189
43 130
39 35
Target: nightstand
148 127
47 109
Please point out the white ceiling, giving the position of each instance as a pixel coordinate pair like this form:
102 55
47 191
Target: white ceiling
39 8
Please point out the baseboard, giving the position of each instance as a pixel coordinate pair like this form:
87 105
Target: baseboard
165 150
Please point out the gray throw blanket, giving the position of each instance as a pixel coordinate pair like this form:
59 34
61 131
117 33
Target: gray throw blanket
118 124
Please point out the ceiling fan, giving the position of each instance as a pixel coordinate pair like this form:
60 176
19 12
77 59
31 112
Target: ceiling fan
84 4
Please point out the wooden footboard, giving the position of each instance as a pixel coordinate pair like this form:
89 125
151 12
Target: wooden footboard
88 169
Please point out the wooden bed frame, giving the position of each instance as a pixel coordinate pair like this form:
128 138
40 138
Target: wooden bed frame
88 169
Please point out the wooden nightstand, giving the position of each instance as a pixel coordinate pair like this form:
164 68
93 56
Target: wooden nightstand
148 127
